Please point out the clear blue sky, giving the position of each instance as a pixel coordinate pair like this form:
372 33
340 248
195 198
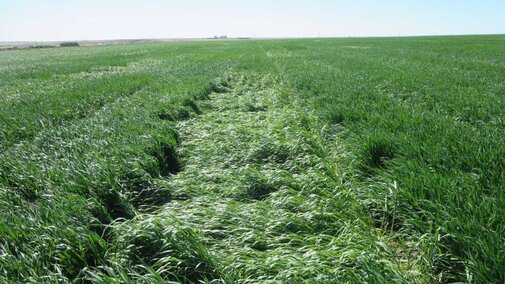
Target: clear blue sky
113 19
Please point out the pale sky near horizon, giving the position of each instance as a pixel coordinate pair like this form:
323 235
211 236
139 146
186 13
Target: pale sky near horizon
32 20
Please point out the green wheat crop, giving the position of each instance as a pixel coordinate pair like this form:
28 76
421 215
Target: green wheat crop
280 161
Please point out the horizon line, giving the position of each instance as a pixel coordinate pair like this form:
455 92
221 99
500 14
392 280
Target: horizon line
244 37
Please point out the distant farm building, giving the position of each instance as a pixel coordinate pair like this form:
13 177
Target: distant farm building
69 43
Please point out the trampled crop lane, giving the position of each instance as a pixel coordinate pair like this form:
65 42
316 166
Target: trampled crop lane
266 195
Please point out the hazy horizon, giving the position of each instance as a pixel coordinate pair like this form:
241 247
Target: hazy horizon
58 20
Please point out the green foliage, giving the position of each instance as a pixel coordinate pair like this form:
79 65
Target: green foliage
320 160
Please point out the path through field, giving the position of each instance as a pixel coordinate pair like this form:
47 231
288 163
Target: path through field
267 197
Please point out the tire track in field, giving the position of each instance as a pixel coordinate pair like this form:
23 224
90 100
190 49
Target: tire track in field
266 194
